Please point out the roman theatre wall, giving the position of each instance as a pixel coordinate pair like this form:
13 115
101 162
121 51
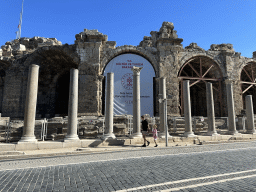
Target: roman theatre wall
92 53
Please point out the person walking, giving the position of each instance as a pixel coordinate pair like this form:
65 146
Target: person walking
144 130
155 134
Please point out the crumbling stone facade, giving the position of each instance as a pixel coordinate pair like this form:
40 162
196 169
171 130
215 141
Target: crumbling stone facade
91 52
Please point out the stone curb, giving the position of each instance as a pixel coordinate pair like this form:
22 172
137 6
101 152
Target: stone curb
8 156
86 152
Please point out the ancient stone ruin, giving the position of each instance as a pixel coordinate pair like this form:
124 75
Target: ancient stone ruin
92 52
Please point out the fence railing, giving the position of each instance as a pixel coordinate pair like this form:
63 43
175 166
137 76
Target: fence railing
44 129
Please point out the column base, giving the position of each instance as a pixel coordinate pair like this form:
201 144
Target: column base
31 139
212 133
136 135
108 136
162 135
251 132
71 138
235 132
189 134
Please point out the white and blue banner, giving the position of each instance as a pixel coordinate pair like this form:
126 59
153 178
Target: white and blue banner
123 83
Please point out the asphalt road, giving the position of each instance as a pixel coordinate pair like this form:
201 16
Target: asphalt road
220 167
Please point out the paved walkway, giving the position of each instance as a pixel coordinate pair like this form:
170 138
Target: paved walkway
174 142
5 155
219 167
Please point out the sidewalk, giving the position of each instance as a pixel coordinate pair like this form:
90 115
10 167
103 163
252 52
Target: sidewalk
6 155
88 146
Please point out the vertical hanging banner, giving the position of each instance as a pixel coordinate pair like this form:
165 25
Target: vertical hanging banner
123 83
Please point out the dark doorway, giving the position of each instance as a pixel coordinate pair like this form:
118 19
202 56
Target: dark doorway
2 77
62 94
199 71
198 99
248 85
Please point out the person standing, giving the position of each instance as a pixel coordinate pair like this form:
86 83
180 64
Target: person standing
155 134
144 130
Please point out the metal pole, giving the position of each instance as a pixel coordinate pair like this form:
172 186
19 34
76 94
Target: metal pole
243 123
9 128
103 126
8 122
42 129
130 124
45 128
6 125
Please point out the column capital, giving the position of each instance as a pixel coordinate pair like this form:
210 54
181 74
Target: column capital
100 77
229 81
136 69
157 79
34 65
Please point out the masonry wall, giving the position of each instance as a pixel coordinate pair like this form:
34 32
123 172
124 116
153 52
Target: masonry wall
14 97
91 53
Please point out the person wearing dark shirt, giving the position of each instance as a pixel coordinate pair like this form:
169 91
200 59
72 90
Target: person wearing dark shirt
144 130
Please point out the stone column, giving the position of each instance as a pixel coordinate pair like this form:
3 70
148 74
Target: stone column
231 110
162 113
210 110
72 106
109 107
136 103
249 115
187 110
30 107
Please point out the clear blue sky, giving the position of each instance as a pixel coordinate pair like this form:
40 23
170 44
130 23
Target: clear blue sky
204 22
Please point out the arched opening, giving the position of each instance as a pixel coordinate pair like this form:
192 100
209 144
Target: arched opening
198 71
4 65
248 82
2 78
53 85
62 94
121 66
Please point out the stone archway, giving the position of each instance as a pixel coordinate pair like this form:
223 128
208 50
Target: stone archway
53 85
199 70
248 83
4 65
129 49
121 66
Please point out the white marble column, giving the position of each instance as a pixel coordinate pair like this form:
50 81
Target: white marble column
162 112
231 110
210 110
187 110
136 103
72 106
30 107
109 107
249 115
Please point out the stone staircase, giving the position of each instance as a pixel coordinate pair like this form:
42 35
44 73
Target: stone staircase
177 125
